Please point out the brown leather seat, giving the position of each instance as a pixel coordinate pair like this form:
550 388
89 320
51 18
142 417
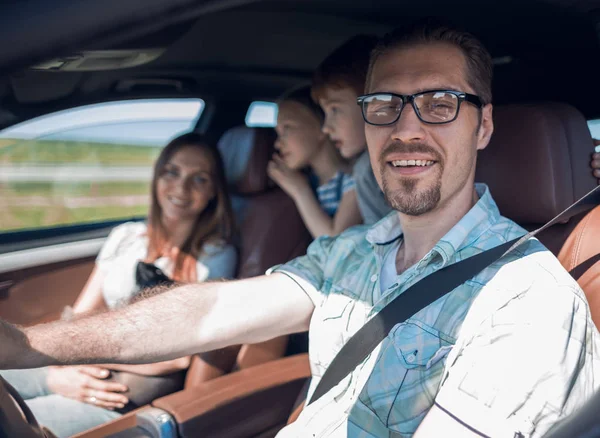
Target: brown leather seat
537 164
270 232
579 255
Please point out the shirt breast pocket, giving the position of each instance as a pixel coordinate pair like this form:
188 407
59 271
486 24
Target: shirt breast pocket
416 345
404 382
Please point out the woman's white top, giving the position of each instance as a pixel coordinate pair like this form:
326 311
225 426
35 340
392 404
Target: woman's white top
128 243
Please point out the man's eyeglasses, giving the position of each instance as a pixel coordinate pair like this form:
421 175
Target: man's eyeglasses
433 106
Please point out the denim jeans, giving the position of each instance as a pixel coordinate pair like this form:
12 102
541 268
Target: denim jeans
63 416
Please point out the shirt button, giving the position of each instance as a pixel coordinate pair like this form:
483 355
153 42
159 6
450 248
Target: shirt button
373 278
410 358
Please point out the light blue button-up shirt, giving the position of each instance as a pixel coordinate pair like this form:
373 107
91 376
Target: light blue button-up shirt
428 355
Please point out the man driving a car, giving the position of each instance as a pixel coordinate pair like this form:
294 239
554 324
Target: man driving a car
481 361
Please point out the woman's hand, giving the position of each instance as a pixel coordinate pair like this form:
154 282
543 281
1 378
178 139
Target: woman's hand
86 384
291 181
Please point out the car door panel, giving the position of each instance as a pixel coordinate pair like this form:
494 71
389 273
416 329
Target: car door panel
37 284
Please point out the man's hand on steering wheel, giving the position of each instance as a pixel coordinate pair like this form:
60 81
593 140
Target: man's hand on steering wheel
86 384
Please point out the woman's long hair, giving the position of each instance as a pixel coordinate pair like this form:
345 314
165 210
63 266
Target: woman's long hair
214 224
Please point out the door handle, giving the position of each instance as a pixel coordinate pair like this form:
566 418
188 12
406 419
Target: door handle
5 288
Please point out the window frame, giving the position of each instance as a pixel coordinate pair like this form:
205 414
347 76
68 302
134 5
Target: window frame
27 238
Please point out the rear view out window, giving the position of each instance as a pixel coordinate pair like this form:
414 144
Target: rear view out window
262 115
87 164
594 126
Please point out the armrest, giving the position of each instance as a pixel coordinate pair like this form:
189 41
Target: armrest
146 421
126 422
244 403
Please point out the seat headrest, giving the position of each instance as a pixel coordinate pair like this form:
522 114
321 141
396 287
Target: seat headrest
538 160
246 153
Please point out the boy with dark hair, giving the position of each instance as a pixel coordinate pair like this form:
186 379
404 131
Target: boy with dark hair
337 83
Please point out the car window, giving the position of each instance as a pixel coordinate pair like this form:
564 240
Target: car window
87 164
261 115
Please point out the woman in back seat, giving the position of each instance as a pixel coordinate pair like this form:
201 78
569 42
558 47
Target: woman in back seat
187 239
301 144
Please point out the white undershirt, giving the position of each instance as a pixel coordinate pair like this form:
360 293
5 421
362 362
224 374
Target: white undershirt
389 274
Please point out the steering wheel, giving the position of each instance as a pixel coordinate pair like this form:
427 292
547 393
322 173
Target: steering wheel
16 418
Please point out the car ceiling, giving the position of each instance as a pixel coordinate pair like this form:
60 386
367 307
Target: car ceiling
545 50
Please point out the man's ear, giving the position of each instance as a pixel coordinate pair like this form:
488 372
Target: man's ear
486 127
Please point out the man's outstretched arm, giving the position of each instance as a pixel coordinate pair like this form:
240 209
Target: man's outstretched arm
186 320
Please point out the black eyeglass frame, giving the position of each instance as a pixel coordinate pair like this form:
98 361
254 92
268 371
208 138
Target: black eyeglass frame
410 98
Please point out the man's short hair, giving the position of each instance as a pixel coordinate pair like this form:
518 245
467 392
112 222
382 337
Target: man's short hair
345 67
478 59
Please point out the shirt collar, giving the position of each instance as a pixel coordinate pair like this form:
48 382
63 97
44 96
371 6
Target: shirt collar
472 225
386 230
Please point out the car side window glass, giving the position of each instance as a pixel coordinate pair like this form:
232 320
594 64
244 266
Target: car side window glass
86 164
261 115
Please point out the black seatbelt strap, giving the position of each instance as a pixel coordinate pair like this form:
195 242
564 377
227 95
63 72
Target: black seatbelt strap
583 267
424 293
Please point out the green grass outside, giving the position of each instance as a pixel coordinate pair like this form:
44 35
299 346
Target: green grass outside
105 213
60 189
51 152
18 218
75 152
